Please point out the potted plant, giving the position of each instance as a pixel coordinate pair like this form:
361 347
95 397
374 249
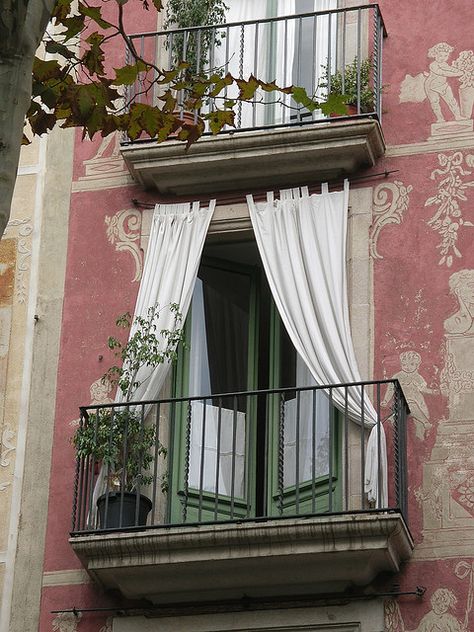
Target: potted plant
182 14
345 83
117 437
192 47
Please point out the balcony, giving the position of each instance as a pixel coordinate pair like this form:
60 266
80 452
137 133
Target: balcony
251 493
275 141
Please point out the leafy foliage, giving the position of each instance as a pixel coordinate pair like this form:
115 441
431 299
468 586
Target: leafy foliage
194 49
351 81
79 88
148 346
118 437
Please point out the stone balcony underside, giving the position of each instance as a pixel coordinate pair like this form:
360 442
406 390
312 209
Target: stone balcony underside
257 159
228 561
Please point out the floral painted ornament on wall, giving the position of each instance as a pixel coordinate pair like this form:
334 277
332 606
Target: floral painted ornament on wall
448 219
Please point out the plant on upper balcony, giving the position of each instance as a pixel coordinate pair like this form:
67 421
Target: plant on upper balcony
352 83
194 47
119 437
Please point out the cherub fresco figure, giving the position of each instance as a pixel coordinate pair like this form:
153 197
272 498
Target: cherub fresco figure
434 84
438 619
461 285
437 87
414 386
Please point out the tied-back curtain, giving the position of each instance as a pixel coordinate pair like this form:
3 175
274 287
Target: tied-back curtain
302 243
177 236
169 274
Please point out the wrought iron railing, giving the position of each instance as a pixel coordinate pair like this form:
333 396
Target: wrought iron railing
240 456
323 51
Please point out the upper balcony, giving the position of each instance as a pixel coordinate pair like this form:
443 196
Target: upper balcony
275 141
217 497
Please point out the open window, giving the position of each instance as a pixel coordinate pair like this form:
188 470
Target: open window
225 449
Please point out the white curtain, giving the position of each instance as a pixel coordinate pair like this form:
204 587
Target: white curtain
171 263
323 48
302 243
290 52
266 52
177 236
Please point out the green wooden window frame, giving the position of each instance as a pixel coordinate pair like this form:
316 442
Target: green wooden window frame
226 507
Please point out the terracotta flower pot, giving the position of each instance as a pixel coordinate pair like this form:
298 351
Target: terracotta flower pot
351 110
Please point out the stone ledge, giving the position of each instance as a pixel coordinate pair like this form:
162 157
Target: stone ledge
290 556
257 159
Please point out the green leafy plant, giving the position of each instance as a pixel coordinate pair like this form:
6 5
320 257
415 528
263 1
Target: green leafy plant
148 346
119 440
194 47
118 437
345 83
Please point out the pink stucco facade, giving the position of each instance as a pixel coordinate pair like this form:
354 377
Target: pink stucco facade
421 238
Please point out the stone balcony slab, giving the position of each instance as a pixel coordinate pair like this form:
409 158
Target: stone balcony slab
257 159
227 561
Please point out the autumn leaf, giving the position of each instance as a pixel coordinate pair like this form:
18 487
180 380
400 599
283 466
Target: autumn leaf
220 83
127 75
93 59
74 25
247 88
41 122
219 118
151 120
95 120
44 70
57 48
85 102
61 10
334 104
169 101
301 97
271 86
95 14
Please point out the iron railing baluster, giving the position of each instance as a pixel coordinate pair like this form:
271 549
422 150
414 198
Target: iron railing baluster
297 455
218 458
281 453
346 449
234 442
202 459
314 440
330 450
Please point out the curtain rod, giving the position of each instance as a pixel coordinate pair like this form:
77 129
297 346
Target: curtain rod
260 196
255 603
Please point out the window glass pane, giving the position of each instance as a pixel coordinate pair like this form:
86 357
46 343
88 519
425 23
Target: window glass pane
313 424
219 364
